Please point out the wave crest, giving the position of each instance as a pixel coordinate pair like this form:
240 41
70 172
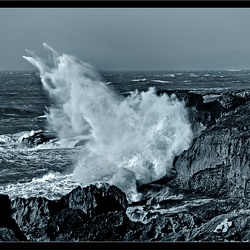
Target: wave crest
131 139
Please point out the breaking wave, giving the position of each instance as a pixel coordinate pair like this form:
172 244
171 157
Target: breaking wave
130 140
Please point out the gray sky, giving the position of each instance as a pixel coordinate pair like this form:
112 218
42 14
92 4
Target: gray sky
130 38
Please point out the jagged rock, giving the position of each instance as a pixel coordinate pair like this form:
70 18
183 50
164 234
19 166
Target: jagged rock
226 227
231 101
31 214
7 234
190 98
111 226
223 146
39 138
7 222
163 228
42 219
211 182
93 200
64 223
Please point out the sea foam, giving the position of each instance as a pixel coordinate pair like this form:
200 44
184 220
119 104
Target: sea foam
131 140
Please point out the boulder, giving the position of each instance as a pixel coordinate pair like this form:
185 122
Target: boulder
41 219
39 138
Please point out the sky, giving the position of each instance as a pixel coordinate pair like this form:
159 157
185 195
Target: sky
129 38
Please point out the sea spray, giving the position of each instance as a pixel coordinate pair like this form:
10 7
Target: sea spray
130 140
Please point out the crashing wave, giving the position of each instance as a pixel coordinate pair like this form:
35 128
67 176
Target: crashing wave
130 140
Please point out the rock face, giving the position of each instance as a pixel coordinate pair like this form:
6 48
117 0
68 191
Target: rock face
217 163
41 219
9 229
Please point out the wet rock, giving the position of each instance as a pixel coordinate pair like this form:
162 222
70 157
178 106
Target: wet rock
39 138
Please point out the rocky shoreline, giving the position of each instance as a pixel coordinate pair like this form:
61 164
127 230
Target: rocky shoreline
206 196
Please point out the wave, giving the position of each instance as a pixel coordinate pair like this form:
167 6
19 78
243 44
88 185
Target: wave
23 141
139 80
17 137
160 81
15 112
52 185
171 75
131 140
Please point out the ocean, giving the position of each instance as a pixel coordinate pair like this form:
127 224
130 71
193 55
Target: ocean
108 126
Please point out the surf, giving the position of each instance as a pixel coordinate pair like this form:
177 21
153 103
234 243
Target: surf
130 140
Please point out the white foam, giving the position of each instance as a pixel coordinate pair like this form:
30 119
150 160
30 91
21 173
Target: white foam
171 75
131 139
160 81
139 80
52 186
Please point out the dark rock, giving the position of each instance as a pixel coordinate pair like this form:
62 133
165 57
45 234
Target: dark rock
111 226
31 214
6 221
162 228
214 107
64 223
93 200
39 138
190 98
229 227
41 219
7 234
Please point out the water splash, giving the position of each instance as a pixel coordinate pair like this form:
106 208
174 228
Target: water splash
131 139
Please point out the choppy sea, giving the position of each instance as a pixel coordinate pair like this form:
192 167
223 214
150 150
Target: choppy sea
54 168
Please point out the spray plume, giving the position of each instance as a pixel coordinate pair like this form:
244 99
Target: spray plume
130 140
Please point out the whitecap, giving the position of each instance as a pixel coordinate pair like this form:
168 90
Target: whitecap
160 81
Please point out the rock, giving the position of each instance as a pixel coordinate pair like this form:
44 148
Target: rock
163 228
218 159
111 226
64 223
190 98
7 234
7 222
39 138
41 219
31 215
227 227
93 200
